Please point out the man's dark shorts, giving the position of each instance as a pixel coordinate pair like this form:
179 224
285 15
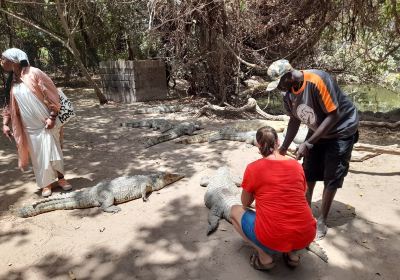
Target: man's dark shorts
329 160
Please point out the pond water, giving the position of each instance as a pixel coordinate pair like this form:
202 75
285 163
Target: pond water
366 97
373 97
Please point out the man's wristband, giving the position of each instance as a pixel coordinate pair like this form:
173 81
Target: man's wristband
308 145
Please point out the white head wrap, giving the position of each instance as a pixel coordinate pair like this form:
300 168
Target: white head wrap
15 55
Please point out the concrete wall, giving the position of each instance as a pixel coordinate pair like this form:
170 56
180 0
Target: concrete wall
134 81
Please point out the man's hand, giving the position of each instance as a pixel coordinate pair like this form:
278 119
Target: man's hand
303 150
50 123
7 132
282 151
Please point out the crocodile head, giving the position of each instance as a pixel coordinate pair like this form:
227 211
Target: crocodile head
170 178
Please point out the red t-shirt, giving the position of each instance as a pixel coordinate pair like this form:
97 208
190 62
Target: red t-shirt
284 221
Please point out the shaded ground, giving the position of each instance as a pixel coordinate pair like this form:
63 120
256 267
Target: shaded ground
165 237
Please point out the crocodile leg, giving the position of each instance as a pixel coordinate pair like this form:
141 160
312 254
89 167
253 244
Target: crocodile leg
213 219
143 191
107 202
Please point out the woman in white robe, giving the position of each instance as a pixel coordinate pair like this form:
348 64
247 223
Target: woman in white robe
32 109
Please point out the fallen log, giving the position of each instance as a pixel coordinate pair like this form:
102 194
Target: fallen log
250 107
380 124
391 149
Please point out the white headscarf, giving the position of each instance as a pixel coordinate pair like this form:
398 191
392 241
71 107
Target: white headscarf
15 55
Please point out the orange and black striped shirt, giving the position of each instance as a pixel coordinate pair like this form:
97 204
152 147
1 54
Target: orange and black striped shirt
318 96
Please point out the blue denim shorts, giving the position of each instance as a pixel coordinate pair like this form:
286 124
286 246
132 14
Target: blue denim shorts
248 223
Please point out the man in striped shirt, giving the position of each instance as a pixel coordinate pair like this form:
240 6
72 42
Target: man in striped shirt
314 98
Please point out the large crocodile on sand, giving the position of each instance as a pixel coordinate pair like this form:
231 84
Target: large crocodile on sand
184 128
155 124
229 131
104 195
160 109
249 137
222 193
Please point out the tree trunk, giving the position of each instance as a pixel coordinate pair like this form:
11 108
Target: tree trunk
10 31
70 45
75 52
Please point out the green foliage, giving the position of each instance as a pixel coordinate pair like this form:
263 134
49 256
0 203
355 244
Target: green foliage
372 51
354 38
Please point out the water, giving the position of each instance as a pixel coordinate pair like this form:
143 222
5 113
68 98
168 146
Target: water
366 97
373 98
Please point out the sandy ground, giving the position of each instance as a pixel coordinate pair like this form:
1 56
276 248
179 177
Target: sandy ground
165 238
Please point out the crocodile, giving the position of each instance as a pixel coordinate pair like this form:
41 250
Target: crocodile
249 137
241 126
159 109
222 193
105 194
300 136
184 128
155 124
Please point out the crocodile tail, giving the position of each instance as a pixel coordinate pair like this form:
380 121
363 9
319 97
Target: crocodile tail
315 248
157 140
199 138
215 137
51 204
130 124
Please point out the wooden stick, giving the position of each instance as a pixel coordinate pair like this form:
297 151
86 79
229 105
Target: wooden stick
392 149
380 124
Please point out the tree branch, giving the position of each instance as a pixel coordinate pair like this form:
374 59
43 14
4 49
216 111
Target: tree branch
54 36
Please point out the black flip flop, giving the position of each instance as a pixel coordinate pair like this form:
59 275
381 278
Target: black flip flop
256 263
289 262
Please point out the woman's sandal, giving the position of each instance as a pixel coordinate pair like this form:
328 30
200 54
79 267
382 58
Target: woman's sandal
290 262
64 184
46 191
256 263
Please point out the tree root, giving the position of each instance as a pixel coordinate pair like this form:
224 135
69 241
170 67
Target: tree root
250 107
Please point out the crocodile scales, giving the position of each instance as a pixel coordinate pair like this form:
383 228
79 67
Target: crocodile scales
104 195
229 131
156 124
184 128
222 193
160 109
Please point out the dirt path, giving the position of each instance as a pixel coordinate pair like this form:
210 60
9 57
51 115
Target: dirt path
165 237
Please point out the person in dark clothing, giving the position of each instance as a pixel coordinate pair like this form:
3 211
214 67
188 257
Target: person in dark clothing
314 98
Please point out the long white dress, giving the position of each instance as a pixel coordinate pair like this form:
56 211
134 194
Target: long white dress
44 144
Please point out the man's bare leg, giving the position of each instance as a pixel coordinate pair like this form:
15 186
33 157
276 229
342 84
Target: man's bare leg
309 193
327 199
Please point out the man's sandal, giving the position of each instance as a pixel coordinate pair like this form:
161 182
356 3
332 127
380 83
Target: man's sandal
290 262
256 263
